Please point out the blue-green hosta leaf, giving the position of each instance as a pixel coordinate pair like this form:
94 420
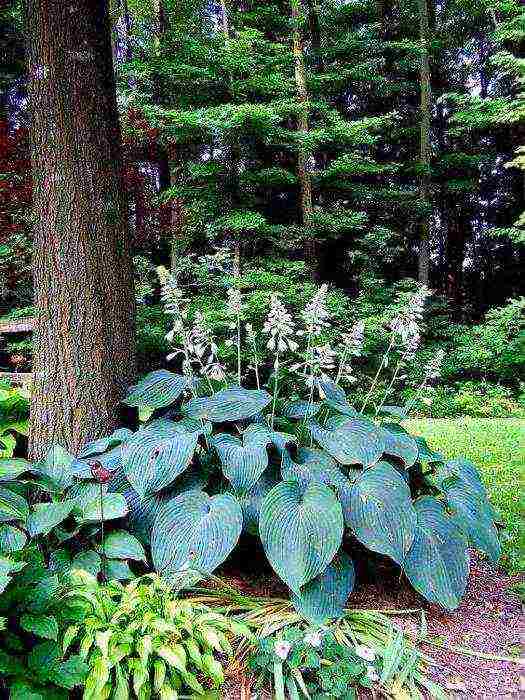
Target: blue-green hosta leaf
300 409
118 570
399 443
464 470
260 434
57 467
474 516
242 464
437 564
112 461
251 502
121 545
426 454
350 441
11 469
45 626
89 561
12 506
395 411
143 511
152 461
45 516
194 531
335 397
316 467
98 447
381 515
325 597
11 539
114 506
229 405
158 389
301 530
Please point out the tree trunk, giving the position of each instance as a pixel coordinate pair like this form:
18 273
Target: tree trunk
84 335
315 34
424 183
303 174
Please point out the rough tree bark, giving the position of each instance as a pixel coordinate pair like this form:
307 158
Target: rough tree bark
303 174
424 182
84 336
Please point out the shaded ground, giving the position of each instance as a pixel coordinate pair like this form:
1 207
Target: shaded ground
489 621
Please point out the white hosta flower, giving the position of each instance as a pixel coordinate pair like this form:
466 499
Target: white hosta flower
173 301
353 341
433 369
372 674
234 303
250 333
407 324
365 652
282 649
314 639
323 358
316 316
279 326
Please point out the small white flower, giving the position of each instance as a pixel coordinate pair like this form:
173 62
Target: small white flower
282 649
279 326
372 674
314 639
234 303
365 652
316 316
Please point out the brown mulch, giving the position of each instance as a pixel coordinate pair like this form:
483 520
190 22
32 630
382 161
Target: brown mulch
488 621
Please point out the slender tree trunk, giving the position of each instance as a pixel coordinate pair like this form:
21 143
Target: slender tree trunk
315 34
424 183
84 336
303 174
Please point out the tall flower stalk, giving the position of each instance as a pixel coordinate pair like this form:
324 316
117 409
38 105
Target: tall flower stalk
234 306
252 340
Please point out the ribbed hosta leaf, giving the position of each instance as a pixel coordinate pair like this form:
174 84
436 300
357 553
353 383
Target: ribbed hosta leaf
349 441
114 506
121 545
300 409
195 531
157 389
426 454
251 502
474 516
382 516
97 447
12 506
229 405
11 469
242 464
260 434
57 467
316 467
399 443
335 397
437 564
143 512
11 539
301 530
325 597
112 461
154 458
45 516
89 561
464 470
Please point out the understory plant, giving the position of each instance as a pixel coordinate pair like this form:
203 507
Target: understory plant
141 641
316 479
14 409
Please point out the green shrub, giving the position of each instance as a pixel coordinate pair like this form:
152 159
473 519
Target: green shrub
14 410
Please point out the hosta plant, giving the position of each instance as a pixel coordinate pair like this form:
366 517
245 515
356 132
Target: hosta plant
315 478
140 641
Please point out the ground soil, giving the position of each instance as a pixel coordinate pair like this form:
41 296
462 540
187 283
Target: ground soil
489 621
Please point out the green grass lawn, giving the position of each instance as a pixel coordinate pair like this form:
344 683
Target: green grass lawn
497 447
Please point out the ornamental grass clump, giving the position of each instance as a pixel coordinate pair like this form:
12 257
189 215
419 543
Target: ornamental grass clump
316 479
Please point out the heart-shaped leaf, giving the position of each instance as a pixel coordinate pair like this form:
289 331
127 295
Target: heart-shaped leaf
297 410
301 530
381 514
195 532
251 502
158 389
57 467
437 564
464 470
229 405
242 464
45 516
325 597
114 506
474 517
143 511
153 459
426 454
398 443
12 506
98 447
350 441
11 539
121 545
335 397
